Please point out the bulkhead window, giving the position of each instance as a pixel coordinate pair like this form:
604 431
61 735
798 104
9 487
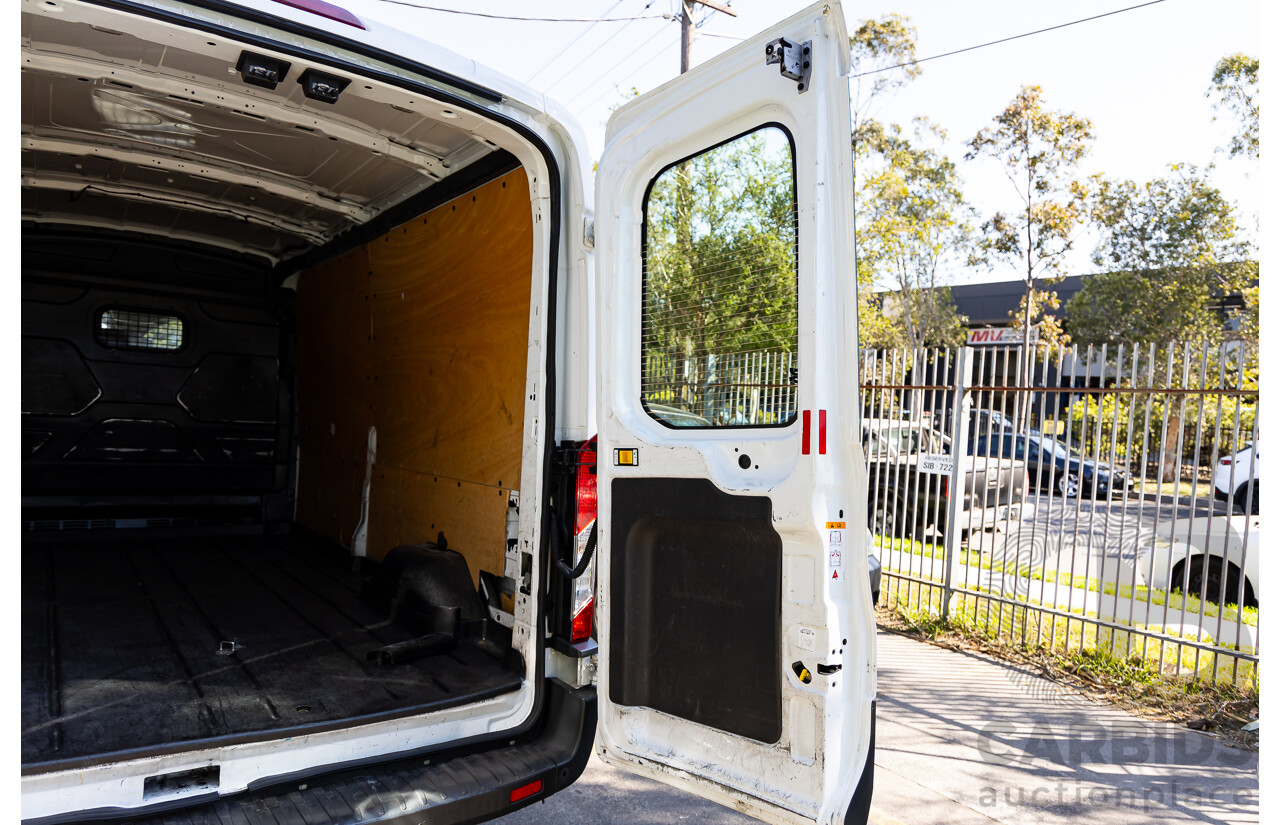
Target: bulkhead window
121 328
720 316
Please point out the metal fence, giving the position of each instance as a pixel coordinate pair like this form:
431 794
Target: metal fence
1107 497
727 389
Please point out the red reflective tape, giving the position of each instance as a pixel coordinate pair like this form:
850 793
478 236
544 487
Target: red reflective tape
804 444
526 791
822 432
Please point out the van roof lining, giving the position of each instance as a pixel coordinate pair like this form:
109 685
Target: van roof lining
121 131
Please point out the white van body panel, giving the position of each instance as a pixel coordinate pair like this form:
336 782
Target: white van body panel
809 775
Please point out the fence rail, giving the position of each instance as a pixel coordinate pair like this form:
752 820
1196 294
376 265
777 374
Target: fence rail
1106 498
728 389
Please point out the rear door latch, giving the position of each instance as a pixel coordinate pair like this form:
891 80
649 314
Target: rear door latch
794 60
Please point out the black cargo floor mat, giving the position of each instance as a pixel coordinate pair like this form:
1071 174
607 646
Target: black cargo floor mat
144 644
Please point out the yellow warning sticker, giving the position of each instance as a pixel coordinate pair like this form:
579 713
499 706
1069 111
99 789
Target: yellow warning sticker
626 457
835 525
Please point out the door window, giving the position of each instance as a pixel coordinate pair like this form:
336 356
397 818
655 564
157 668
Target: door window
720 317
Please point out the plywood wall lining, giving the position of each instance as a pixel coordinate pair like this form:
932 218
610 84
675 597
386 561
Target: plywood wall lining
334 356
433 320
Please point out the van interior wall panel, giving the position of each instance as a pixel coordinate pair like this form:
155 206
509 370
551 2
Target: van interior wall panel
149 409
335 394
448 315
148 642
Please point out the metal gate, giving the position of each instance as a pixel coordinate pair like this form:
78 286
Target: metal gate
1103 498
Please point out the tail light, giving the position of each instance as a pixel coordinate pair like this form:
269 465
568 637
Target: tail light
1228 461
584 525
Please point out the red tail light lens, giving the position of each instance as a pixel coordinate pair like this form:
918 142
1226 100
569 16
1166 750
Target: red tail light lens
586 488
587 506
582 621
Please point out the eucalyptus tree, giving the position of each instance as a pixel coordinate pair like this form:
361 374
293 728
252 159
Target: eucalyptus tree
1039 151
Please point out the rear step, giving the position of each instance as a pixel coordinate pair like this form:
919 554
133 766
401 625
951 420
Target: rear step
466 788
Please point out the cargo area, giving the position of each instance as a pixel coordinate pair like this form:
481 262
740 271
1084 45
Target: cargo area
133 644
220 452
285 363
217 466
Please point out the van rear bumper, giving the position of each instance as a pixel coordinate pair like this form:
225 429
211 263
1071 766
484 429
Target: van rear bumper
471 786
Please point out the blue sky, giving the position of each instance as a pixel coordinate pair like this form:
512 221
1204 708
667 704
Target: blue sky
1140 76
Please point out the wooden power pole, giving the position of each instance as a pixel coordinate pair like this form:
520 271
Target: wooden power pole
686 26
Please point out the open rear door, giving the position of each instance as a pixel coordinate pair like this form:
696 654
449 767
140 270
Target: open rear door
736 625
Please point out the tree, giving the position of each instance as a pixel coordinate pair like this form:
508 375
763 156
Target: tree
883 55
1235 87
883 52
914 219
1174 253
1049 331
1038 150
720 261
1172 250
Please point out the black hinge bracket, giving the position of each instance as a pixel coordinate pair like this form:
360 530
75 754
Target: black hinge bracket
794 60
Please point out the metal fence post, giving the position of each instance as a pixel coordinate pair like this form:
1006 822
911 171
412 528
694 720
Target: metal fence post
960 403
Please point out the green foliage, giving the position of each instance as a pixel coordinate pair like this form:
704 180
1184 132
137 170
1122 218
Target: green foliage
1235 89
1148 424
886 48
1038 150
1174 251
1049 328
720 257
912 219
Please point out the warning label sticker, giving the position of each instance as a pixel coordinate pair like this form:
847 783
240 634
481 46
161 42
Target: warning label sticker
835 549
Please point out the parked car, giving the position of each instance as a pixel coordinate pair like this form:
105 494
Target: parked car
907 496
1052 465
1235 479
1214 554
676 416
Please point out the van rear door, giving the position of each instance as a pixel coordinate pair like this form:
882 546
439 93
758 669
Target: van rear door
735 614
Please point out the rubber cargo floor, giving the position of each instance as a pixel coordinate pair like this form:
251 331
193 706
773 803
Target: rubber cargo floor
141 644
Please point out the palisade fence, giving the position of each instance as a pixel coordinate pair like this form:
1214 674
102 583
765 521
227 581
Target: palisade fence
1089 519
736 388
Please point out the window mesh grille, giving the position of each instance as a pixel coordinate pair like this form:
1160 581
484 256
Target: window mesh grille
719 326
137 329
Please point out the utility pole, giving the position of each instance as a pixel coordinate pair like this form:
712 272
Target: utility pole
686 26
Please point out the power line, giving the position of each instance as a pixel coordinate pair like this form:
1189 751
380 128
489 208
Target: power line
569 45
583 59
655 56
529 19
605 75
1007 39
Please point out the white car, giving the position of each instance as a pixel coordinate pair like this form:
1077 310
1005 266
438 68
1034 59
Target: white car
1216 555
1235 479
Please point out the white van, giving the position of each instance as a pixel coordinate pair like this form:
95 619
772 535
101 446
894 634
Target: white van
364 438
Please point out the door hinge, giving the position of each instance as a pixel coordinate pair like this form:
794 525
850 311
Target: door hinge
793 59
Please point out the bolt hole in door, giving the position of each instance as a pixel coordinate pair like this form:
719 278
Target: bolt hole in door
744 461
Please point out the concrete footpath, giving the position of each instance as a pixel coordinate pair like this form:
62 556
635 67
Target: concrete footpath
965 739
